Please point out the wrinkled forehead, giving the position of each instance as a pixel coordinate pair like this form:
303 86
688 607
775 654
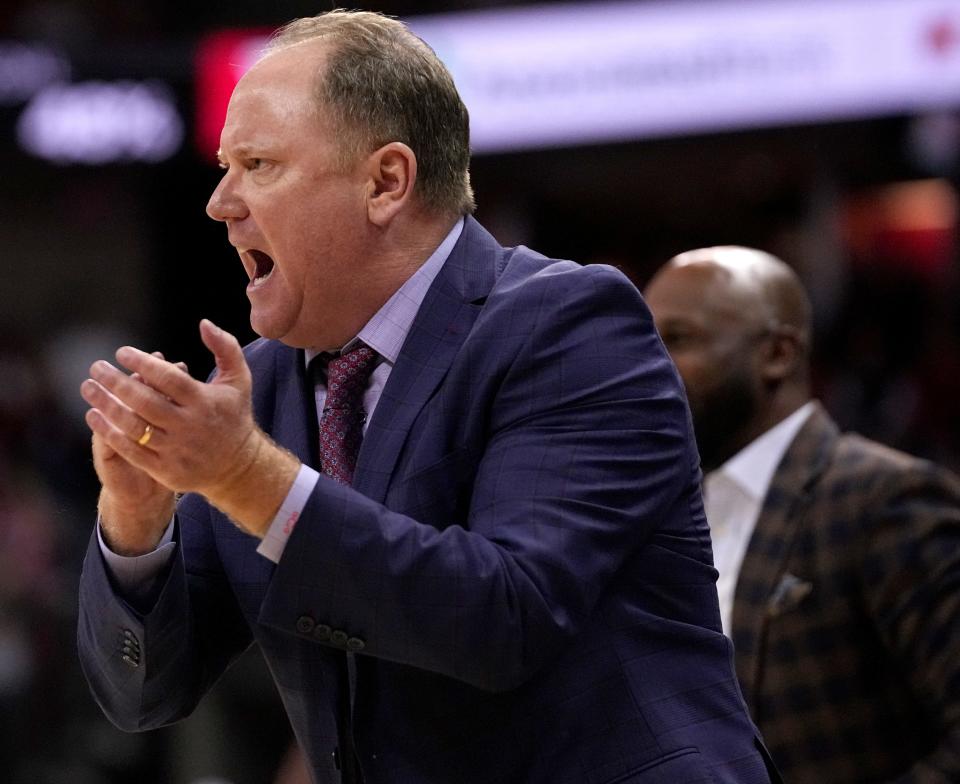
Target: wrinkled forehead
286 70
299 56
284 76
274 94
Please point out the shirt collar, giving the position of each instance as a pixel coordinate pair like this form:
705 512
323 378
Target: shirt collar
387 330
752 468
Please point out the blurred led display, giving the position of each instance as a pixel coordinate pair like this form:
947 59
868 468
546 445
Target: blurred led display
554 75
102 122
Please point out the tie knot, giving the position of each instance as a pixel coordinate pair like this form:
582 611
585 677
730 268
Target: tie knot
347 377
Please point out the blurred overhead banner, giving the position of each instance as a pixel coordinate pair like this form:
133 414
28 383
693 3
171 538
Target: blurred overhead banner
558 75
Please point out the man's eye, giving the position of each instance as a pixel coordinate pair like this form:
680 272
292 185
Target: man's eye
674 340
255 163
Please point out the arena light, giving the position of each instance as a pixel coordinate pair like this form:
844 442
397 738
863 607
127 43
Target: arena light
102 122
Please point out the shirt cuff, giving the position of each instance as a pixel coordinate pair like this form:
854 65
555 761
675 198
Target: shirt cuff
278 533
131 573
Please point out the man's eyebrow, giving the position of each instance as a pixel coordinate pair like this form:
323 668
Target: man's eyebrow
677 321
240 151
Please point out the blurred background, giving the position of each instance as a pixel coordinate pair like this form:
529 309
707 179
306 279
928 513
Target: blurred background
824 131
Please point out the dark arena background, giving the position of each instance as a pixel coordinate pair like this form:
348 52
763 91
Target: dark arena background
615 132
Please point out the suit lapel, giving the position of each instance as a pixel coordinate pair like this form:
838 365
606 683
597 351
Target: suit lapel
765 562
439 329
295 411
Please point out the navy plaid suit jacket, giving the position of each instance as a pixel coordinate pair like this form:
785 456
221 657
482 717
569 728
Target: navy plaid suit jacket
521 572
846 619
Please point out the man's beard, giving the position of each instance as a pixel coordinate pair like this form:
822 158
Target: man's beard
722 418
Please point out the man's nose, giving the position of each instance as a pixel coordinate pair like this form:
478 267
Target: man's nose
224 203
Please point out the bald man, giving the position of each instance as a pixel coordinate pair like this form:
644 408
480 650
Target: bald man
839 559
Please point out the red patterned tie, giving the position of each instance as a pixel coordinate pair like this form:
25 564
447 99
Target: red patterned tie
341 425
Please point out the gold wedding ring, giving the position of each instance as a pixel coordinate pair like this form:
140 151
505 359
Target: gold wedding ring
145 438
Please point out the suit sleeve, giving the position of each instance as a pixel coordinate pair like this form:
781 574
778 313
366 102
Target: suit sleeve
911 568
587 444
149 669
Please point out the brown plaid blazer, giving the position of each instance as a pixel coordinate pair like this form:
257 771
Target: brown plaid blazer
846 619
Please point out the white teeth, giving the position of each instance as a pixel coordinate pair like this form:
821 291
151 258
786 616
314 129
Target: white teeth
260 280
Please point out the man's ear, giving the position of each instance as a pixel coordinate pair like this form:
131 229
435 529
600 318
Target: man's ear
782 353
392 172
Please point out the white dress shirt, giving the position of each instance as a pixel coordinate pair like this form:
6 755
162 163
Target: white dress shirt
733 496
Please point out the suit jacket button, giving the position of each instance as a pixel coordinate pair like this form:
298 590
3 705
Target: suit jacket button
356 645
339 637
305 624
321 632
131 661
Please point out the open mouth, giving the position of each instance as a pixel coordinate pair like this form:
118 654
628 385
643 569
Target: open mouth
263 266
